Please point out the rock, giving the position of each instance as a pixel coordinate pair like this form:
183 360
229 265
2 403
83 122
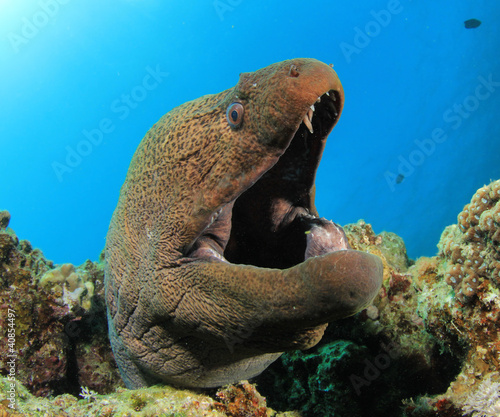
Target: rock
58 319
4 219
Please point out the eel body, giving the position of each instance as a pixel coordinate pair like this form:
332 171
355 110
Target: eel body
217 260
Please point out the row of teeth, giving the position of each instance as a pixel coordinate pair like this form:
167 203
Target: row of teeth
309 115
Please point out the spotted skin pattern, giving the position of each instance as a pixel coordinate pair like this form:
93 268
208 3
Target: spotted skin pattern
178 312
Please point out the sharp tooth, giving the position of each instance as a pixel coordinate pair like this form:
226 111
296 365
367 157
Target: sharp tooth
310 114
332 108
328 94
318 100
307 122
312 107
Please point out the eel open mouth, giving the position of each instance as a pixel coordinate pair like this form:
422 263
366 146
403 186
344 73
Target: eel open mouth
274 223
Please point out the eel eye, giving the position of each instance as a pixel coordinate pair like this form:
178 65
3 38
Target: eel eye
234 114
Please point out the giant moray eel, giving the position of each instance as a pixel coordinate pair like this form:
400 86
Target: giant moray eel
217 260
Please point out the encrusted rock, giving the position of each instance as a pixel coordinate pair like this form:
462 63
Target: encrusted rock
4 219
459 300
471 248
74 286
58 315
239 400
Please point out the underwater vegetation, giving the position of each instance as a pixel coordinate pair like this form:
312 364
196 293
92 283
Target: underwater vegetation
428 346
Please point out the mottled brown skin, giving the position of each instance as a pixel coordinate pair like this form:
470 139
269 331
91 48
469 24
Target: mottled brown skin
216 259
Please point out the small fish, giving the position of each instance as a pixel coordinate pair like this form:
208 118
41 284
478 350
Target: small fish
400 178
472 23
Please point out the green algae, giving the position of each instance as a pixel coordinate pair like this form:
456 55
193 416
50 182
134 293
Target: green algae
316 382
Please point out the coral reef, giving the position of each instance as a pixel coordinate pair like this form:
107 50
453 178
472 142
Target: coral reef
240 400
485 400
317 382
243 400
76 288
472 247
463 316
18 260
57 316
428 346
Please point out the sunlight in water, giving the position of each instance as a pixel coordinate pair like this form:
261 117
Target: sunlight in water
6 4
10 7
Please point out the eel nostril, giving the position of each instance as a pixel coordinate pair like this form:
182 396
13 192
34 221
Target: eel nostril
294 71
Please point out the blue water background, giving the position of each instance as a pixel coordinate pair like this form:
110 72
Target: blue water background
403 79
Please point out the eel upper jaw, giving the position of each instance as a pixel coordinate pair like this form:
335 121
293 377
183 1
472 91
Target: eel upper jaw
329 99
274 223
